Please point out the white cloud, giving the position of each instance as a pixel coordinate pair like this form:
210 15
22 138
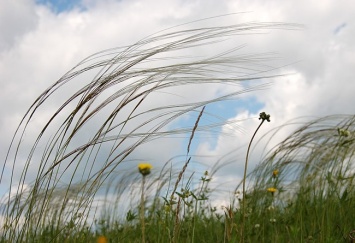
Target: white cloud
16 19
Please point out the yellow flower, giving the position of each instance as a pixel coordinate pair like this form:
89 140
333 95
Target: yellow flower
272 190
275 173
144 168
102 239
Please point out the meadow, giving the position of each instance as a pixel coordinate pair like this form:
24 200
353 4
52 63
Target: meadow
301 191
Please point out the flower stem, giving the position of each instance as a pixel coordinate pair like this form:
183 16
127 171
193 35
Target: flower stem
263 117
142 210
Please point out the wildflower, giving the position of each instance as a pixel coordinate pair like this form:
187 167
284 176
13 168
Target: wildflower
102 239
144 168
263 116
272 190
343 132
275 173
271 208
272 220
167 208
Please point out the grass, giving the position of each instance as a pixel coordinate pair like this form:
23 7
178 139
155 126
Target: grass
314 201
83 189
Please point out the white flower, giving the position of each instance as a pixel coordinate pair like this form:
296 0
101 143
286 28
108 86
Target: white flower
270 208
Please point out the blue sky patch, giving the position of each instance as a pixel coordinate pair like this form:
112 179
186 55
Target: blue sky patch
217 113
59 6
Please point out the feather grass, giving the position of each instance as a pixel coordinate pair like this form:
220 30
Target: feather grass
83 152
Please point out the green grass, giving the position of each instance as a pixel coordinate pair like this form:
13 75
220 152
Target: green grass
316 205
82 190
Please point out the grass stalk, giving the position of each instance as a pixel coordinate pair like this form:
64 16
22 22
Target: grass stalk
96 125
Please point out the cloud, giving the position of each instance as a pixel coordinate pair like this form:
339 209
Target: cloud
17 18
320 84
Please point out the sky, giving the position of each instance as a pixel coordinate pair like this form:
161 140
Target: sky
41 40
